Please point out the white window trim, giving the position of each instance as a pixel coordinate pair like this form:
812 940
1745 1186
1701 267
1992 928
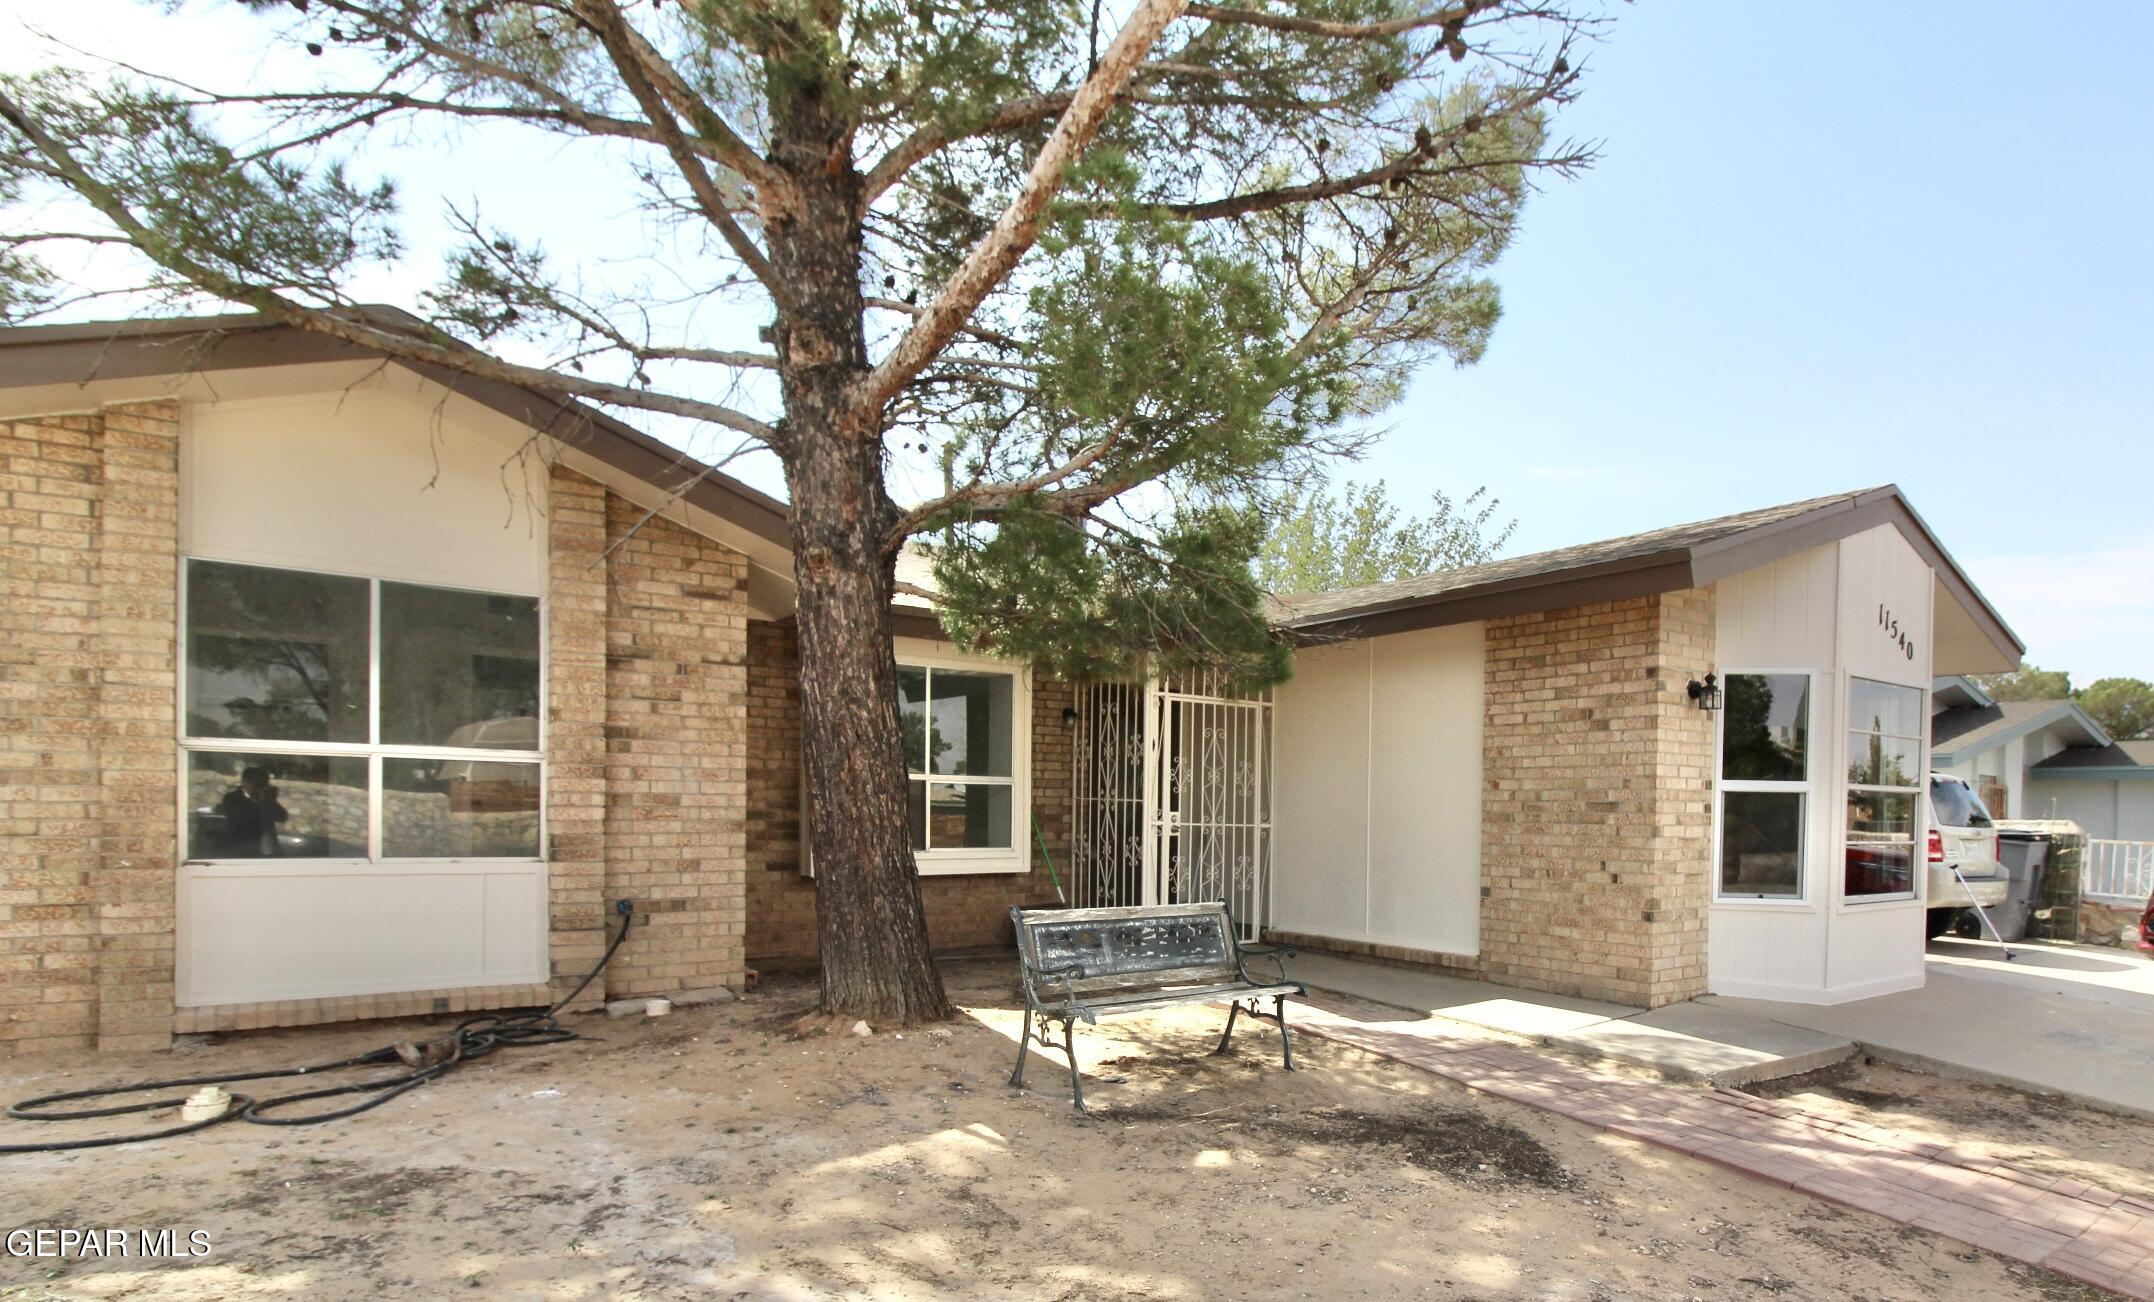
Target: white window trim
1918 860
373 753
1013 859
1805 788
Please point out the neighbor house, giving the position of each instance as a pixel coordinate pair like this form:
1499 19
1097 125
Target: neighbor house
336 687
2043 760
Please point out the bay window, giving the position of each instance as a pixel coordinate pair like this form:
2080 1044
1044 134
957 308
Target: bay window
341 718
967 742
1885 728
1764 785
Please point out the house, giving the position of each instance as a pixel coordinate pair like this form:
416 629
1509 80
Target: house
335 687
2043 760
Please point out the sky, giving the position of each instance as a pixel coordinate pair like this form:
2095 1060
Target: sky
1826 246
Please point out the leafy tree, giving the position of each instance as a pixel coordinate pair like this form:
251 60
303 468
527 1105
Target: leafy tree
1046 285
2123 706
1321 540
2031 683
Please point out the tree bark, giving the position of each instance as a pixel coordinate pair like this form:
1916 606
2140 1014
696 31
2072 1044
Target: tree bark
869 921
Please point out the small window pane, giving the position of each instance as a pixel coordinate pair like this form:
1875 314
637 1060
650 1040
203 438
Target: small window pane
916 813
1885 707
458 668
275 654
912 716
1874 760
276 806
1880 843
1761 843
973 817
459 809
972 724
1765 728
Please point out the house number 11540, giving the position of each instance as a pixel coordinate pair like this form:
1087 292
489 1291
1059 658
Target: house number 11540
1891 624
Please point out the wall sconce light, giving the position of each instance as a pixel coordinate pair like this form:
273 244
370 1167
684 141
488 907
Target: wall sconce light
1069 716
1707 693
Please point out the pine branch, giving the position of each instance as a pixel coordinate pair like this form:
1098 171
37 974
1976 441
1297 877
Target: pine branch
992 259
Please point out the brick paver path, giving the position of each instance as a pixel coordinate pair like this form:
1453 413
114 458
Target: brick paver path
2069 1226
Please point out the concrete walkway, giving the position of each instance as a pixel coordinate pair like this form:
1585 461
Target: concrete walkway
1683 1041
2072 1020
2071 1227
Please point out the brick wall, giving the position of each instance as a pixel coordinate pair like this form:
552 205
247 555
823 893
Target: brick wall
1597 800
575 729
89 510
676 752
963 912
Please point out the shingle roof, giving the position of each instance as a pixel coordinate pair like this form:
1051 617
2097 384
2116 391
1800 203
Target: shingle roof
2116 755
1303 609
1972 729
1659 560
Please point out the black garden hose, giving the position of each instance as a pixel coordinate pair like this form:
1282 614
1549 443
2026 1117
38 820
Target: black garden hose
474 1037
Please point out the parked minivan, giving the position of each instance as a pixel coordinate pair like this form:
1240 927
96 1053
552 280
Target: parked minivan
1962 835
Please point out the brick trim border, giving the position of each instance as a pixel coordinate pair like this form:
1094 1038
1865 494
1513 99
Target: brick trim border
348 1008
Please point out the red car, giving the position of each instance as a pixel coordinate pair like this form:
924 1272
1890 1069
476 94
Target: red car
2146 927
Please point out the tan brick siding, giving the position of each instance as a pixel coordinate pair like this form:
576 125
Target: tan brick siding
676 752
1596 802
575 729
89 511
963 912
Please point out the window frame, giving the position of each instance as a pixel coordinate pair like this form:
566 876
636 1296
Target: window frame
1017 857
1805 790
373 750
1919 794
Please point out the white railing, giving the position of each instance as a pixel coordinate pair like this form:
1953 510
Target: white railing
2119 872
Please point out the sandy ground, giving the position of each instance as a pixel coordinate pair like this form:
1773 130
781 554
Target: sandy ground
708 1155
2040 1132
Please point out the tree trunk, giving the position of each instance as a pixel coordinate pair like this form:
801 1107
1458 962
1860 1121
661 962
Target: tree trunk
870 925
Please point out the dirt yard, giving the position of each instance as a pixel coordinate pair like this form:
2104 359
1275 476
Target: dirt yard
708 1155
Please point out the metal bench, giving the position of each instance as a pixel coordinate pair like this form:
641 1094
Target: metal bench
1079 964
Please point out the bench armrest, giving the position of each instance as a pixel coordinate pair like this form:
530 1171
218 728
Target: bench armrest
1068 975
1278 954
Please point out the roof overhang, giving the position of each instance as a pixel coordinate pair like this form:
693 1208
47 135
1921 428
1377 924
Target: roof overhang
1969 635
51 369
2064 715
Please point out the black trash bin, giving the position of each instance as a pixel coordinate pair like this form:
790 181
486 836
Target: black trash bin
2026 859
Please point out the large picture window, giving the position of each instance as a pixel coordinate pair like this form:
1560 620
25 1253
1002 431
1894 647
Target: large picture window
1764 785
964 755
1885 728
334 717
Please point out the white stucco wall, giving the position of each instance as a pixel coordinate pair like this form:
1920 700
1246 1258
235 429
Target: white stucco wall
1377 791
385 479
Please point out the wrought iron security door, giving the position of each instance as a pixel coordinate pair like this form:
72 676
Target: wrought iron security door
1173 796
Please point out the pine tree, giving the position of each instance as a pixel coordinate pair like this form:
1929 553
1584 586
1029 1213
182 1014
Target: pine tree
1093 273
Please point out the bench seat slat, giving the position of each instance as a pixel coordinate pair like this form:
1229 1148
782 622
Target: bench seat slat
1136 999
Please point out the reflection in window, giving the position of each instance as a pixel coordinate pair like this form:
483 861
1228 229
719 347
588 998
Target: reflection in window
960 737
458 668
1761 844
275 654
459 809
971 816
1764 784
1765 728
288 656
1885 737
243 806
